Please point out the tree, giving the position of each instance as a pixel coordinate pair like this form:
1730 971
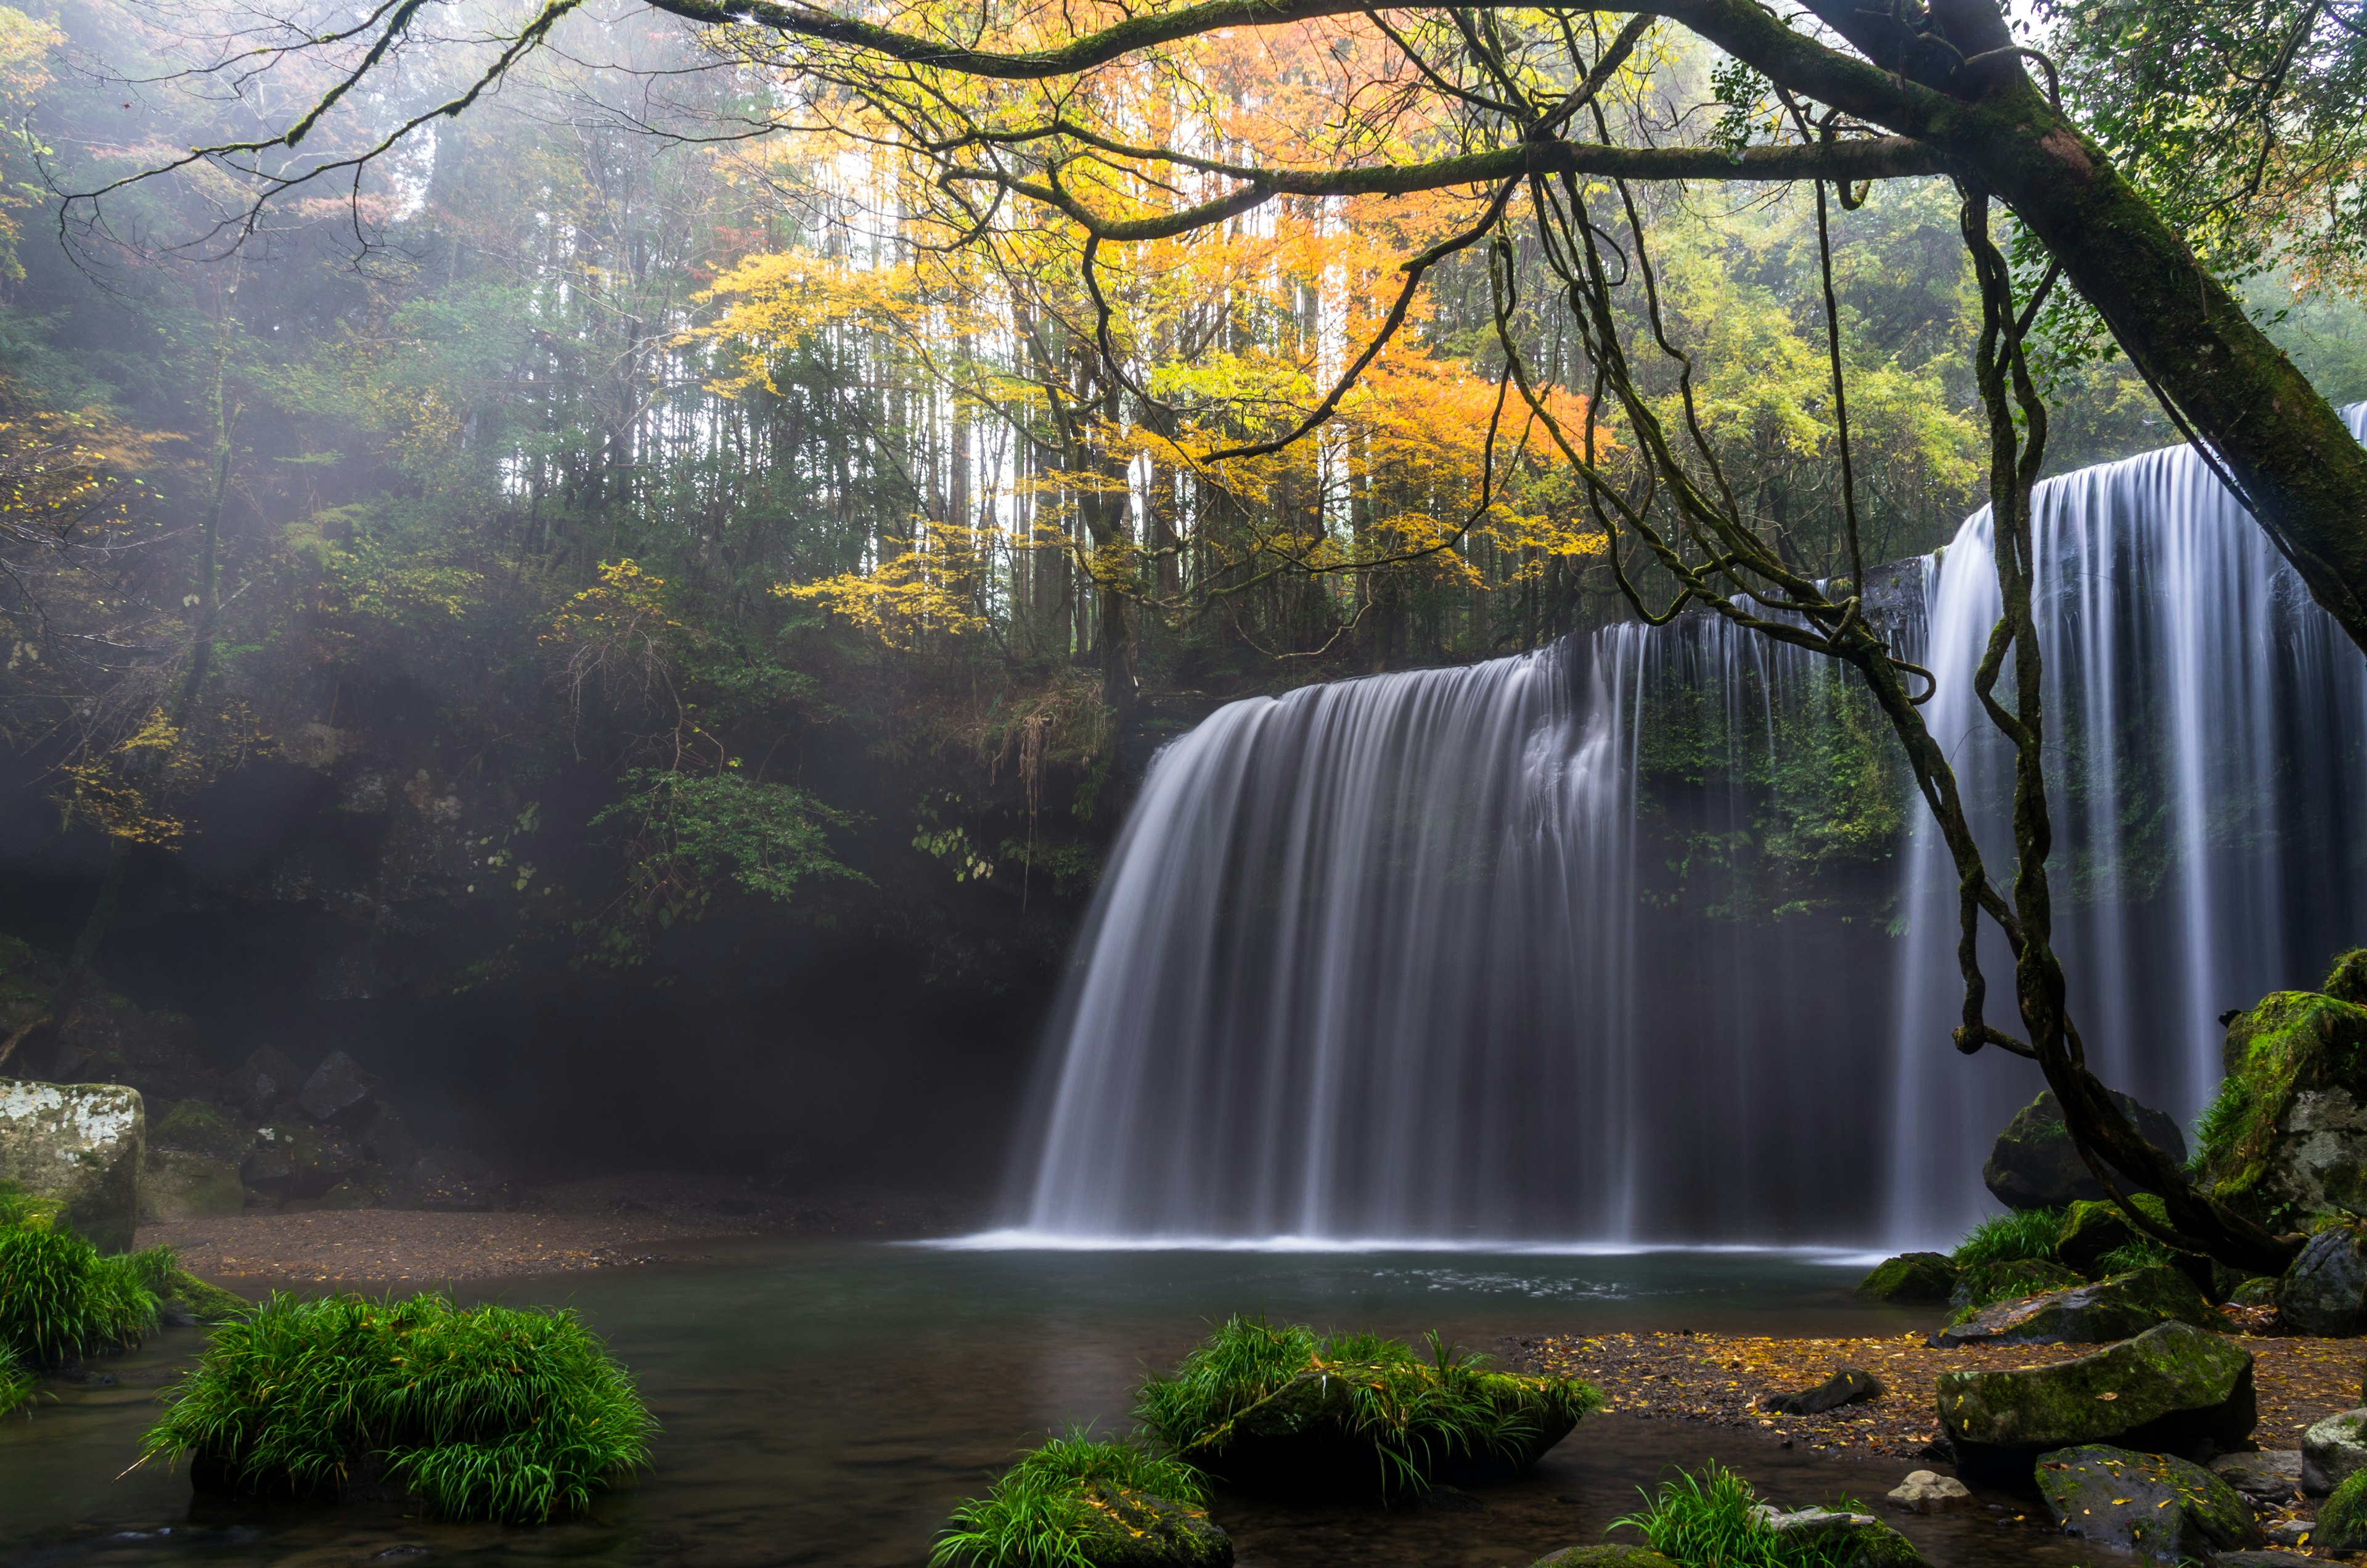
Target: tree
1542 121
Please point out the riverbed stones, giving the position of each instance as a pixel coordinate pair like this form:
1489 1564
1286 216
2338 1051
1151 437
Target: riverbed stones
2167 1391
2035 1166
1850 1385
2333 1451
2156 1505
1134 1529
80 1145
2110 1310
1928 1491
2325 1290
1911 1279
2267 1475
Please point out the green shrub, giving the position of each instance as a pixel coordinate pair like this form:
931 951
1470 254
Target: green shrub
486 1413
1704 1521
2022 1236
1417 1413
1043 1513
60 1299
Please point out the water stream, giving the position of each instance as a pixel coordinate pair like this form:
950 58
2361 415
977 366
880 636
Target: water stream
1505 952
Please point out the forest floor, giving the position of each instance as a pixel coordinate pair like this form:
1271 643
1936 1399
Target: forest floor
606 1223
1718 1378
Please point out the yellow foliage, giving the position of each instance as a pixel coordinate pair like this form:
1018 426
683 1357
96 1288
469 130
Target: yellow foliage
932 586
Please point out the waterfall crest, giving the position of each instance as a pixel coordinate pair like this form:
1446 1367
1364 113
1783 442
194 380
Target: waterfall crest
1426 957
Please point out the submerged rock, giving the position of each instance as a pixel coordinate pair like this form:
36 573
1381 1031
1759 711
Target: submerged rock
2166 1390
2148 1502
1910 1279
1986 1283
1134 1529
2332 1451
2035 1166
2288 1133
1928 1491
81 1147
2119 1308
1848 1387
2325 1290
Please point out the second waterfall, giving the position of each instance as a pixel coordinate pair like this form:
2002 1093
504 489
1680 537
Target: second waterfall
1508 952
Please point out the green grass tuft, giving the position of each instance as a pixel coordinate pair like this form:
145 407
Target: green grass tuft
2221 1124
1041 1513
1419 1411
60 1299
2024 1235
16 1383
2138 1252
486 1413
1704 1521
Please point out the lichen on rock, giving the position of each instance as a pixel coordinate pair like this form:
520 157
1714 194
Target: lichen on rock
81 1145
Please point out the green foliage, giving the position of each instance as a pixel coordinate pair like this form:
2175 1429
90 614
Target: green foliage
16 1383
486 1413
1041 1512
2140 1252
2020 1236
2221 1124
1704 1521
60 1299
1419 1412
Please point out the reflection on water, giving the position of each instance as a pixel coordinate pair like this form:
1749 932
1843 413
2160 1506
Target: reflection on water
828 1403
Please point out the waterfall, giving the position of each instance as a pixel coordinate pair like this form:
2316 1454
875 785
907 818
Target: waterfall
1505 952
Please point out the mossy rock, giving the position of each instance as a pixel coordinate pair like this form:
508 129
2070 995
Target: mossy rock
1838 1537
2110 1310
1986 1283
2325 1290
2287 1136
196 1127
1305 1438
1134 1529
189 1299
2164 1391
1609 1554
2034 1165
2343 1518
2091 1230
2333 1451
1910 1279
2155 1505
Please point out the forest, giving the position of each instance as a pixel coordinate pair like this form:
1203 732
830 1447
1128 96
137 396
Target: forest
1161 694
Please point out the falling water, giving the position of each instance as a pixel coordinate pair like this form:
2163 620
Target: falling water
1497 952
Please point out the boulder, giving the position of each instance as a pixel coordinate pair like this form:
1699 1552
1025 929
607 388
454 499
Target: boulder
2167 1391
2150 1504
198 1127
2091 1230
2332 1451
2261 1290
2119 1308
2266 1476
264 1080
298 1160
2287 1137
1610 1555
80 1145
1984 1283
1134 1529
177 1185
2325 1290
338 1090
2343 1518
1910 1279
1928 1491
1840 1539
2033 1164
1847 1386
185 1299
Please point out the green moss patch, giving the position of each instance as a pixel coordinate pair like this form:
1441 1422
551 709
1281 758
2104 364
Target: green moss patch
2097 1238
1076 1503
1283 1407
2290 1043
482 1412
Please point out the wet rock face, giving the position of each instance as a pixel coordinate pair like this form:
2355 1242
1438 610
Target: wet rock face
2168 1389
2325 1291
1910 1279
2154 1504
2332 1451
2033 1164
2110 1310
80 1145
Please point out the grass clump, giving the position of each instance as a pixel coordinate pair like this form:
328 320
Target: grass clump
2021 1236
1705 1522
484 1413
60 1299
16 1383
1255 1397
1051 1508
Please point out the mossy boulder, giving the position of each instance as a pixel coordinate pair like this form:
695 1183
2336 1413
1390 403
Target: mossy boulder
2333 1451
1984 1283
2287 1136
2035 1166
2092 1230
176 1185
2325 1290
1841 1539
1310 1436
2343 1518
2151 1504
1609 1554
81 1145
1911 1279
2163 1391
186 1298
1134 1529
195 1126
2110 1310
